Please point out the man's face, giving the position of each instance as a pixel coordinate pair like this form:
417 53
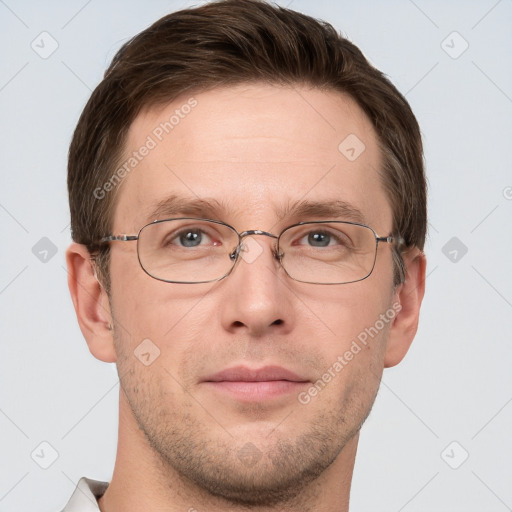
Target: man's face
257 150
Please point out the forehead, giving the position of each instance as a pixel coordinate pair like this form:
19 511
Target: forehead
255 149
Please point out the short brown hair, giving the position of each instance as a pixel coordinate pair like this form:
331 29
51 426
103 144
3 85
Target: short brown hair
224 43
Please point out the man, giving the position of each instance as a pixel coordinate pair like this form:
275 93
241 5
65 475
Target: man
248 208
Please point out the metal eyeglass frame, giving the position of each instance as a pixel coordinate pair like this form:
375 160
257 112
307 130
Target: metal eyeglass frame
391 239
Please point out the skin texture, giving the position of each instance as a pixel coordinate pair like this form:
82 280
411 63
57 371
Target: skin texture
256 148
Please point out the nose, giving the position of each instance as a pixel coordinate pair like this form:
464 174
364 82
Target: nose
256 296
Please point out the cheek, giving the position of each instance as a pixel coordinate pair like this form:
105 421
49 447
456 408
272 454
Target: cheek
348 311
354 365
358 317
172 316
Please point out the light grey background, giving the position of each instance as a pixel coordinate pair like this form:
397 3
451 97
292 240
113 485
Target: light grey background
456 382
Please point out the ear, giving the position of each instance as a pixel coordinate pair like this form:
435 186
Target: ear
409 295
91 303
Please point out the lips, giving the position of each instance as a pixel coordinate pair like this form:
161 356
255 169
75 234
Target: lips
244 384
265 374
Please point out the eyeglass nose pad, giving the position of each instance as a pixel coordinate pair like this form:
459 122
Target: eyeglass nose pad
238 249
234 255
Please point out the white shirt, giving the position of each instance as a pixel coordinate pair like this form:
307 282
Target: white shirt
85 497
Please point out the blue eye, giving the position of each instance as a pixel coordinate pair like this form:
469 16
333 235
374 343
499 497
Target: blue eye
319 239
190 238
324 238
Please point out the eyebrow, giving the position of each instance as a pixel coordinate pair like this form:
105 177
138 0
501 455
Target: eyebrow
334 210
207 208
210 208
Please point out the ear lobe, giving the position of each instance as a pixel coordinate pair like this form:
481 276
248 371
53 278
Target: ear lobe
410 295
91 303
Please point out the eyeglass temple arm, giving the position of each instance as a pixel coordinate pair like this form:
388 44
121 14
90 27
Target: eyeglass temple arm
122 238
390 239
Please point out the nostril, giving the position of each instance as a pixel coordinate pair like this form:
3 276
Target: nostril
277 322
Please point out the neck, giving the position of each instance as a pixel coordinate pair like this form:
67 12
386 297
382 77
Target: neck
143 481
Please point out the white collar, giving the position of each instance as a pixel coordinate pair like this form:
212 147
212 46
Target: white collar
84 499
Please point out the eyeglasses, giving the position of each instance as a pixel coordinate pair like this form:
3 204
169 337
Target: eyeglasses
191 250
